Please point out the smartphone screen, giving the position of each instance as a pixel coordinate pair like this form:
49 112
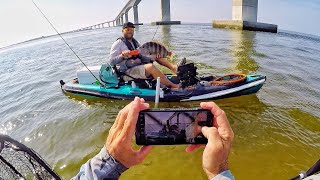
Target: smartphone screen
172 126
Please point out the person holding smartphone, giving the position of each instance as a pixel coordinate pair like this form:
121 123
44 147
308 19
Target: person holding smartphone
118 154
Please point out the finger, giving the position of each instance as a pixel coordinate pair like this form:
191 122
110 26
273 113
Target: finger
116 121
208 131
131 121
121 121
144 151
145 105
193 147
220 120
211 133
121 115
213 107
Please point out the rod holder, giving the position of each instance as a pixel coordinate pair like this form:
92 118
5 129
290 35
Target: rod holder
157 91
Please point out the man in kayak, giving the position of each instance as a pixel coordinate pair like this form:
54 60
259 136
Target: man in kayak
118 154
139 67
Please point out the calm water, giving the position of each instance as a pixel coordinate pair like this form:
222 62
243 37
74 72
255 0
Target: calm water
277 131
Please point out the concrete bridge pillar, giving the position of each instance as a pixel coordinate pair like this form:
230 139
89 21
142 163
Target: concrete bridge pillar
165 10
126 17
245 10
166 14
121 19
135 15
244 17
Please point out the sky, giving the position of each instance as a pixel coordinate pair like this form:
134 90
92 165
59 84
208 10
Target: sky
20 20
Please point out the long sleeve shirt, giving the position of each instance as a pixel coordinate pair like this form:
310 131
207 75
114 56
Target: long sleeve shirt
101 166
123 65
104 166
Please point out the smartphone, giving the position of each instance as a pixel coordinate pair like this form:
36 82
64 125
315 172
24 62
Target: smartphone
172 126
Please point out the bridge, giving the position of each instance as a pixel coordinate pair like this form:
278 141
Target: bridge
244 17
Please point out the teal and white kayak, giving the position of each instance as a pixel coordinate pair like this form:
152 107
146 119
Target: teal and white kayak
204 90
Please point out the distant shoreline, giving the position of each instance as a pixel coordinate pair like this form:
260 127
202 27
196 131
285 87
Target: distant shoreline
187 23
29 40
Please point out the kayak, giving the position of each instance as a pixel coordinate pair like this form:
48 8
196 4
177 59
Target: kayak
204 89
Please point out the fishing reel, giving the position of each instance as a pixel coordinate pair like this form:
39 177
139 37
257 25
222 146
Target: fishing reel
187 75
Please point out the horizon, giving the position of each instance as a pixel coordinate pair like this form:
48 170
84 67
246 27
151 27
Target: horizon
147 24
77 14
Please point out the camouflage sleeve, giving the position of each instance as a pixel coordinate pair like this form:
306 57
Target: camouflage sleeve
102 166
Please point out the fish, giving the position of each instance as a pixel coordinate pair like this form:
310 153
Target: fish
151 49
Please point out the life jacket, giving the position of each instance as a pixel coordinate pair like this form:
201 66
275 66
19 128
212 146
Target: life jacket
129 45
131 62
131 48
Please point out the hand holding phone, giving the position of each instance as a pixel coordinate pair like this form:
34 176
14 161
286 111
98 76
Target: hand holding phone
220 137
215 154
119 141
172 126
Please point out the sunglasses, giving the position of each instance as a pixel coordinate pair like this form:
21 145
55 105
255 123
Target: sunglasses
128 29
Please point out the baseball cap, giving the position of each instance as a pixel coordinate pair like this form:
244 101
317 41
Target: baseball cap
128 24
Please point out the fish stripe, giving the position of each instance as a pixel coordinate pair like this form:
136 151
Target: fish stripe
153 48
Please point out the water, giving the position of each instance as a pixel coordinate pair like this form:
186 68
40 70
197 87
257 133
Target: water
277 131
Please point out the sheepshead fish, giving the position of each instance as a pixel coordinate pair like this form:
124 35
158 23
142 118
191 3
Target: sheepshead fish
151 49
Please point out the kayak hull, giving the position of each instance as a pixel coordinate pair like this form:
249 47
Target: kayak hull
251 85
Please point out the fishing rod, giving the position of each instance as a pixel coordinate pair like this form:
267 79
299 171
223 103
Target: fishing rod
98 81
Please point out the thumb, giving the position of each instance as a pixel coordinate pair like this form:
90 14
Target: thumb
211 133
205 131
144 151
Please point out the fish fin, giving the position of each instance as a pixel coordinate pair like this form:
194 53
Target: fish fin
160 43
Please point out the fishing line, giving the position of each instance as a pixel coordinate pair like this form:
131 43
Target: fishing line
165 12
98 81
155 32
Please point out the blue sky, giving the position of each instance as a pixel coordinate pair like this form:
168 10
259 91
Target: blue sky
20 20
